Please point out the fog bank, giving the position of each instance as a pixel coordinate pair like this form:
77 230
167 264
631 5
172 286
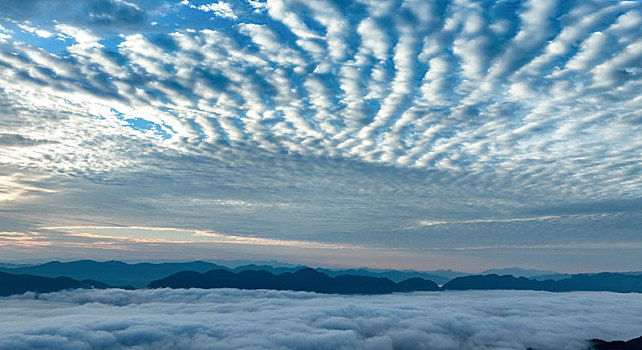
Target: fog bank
232 319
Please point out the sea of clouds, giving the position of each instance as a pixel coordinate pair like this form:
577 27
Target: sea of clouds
261 319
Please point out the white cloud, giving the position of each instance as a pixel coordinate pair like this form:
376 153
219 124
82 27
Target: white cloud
39 32
220 8
138 234
263 319
259 6
84 37
444 83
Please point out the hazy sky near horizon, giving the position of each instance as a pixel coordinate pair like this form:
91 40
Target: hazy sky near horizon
404 134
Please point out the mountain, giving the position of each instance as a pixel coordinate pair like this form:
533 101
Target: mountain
275 270
609 282
311 280
394 275
415 284
561 276
17 284
517 272
552 276
140 274
633 344
450 274
55 275
11 265
111 272
307 279
493 281
232 264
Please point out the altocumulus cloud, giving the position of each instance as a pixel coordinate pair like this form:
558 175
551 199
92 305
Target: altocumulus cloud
231 319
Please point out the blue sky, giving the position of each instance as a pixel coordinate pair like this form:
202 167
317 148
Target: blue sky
404 134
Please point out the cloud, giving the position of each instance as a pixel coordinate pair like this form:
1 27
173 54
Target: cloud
263 319
435 104
137 234
221 8
39 32
9 140
92 12
508 220
17 185
81 36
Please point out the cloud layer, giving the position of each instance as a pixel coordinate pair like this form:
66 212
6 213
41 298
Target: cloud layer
232 319
469 87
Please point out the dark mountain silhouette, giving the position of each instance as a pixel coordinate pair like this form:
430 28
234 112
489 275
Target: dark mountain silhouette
552 276
140 274
415 284
611 282
111 272
394 275
17 284
12 265
493 281
306 279
633 344
517 272
561 276
271 269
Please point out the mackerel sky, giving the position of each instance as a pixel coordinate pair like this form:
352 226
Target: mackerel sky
404 134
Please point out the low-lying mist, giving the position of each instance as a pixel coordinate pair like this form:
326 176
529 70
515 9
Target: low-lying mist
262 319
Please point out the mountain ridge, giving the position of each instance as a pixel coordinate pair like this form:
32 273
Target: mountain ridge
315 281
11 284
141 274
633 344
307 279
604 282
311 280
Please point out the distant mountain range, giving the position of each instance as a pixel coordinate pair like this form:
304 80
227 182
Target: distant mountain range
111 272
516 271
199 274
308 280
608 282
314 281
561 276
17 284
141 274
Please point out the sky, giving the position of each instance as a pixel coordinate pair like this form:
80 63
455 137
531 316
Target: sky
391 134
